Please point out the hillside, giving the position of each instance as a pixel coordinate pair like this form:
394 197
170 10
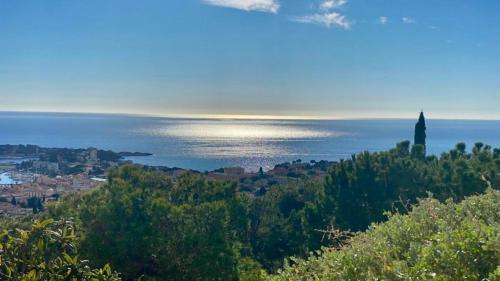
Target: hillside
435 241
146 224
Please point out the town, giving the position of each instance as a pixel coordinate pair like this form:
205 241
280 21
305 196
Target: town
31 175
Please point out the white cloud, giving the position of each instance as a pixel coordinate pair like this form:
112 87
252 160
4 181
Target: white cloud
268 6
408 20
383 20
325 16
327 19
331 4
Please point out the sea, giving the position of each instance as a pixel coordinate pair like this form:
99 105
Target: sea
6 179
208 144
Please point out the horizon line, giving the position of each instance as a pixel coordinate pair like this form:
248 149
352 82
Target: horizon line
250 116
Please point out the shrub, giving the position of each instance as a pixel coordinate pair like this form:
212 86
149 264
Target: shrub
46 252
451 241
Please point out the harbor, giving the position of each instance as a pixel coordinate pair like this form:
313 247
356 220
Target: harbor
9 179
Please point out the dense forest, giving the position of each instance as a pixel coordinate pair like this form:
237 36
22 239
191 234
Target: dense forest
148 226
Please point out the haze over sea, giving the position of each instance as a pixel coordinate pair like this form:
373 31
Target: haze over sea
207 144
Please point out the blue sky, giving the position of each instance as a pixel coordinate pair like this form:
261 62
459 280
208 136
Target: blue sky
341 58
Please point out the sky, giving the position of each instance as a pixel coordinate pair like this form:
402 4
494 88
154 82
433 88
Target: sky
305 58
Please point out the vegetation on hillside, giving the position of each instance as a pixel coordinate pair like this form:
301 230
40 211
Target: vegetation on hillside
145 224
149 226
435 241
358 191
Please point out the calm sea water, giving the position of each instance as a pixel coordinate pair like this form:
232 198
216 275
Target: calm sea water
207 144
6 179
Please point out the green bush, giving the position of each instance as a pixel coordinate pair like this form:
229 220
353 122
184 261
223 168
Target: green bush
46 251
435 241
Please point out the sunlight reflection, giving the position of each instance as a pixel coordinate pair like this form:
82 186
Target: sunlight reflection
241 131
237 138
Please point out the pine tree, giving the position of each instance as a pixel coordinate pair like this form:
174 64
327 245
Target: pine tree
420 130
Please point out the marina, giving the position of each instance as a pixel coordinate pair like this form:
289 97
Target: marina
7 180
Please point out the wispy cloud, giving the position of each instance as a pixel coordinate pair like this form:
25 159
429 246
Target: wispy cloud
326 16
327 19
331 4
408 20
383 20
268 6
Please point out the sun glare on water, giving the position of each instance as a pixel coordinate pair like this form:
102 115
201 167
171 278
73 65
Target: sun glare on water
237 138
241 131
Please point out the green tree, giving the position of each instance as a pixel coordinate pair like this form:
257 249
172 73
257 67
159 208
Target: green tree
359 191
420 130
283 222
145 224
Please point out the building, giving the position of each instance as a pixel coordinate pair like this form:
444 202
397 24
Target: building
50 167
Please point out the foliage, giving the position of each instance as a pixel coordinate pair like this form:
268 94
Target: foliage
435 241
149 226
8 222
35 203
46 251
358 191
420 130
283 222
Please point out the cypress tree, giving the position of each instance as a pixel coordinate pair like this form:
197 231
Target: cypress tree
420 130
